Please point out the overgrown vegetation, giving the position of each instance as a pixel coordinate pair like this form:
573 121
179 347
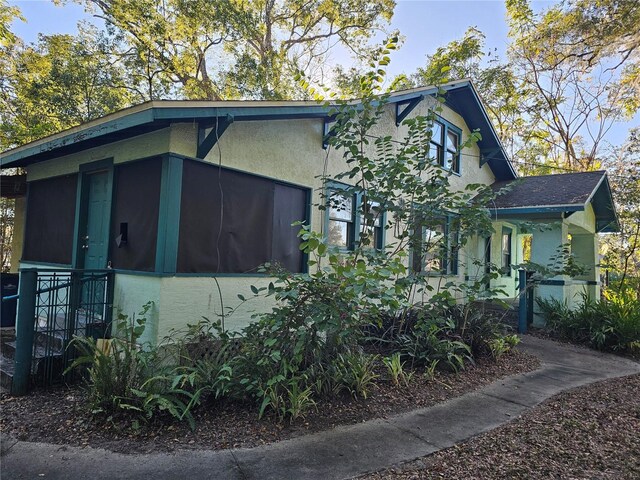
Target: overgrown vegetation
361 314
612 323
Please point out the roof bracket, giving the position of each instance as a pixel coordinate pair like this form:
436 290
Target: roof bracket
327 132
488 154
210 133
405 107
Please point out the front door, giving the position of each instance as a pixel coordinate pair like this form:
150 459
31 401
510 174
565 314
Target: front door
96 238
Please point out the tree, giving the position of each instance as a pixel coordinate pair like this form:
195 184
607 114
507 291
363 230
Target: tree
623 250
57 83
577 94
502 90
232 49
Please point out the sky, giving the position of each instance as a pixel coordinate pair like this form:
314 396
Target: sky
425 25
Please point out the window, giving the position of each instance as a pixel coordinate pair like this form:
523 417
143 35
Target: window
371 224
435 247
352 219
341 232
445 144
506 251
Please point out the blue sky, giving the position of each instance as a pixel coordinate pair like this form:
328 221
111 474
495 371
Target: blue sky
425 24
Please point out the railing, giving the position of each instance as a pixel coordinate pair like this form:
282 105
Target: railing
54 306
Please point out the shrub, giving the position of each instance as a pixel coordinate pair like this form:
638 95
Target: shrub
129 377
612 323
396 370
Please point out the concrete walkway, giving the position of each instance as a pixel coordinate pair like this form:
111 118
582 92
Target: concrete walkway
343 452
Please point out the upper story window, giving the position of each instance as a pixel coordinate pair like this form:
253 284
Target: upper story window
445 145
351 220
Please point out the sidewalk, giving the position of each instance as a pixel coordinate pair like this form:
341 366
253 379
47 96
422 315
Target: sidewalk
343 452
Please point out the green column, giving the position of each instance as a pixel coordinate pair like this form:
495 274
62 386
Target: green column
24 331
169 215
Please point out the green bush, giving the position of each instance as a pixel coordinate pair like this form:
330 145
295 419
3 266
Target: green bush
124 376
612 323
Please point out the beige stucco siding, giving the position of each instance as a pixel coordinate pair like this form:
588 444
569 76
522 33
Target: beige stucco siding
17 241
287 150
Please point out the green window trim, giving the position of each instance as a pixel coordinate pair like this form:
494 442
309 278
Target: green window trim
445 144
506 251
448 256
353 220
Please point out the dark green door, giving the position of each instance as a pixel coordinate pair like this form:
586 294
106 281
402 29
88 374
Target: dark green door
96 238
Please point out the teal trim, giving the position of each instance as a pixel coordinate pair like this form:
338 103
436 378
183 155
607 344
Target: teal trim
224 275
45 264
531 210
82 199
206 143
506 269
327 132
460 96
88 133
140 273
447 125
80 222
356 220
24 331
409 105
450 258
560 283
169 215
308 214
522 306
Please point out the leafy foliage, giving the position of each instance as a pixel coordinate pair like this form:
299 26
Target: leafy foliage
125 376
612 323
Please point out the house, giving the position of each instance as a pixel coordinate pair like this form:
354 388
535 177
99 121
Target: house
183 200
553 211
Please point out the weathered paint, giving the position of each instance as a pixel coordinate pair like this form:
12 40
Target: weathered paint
142 146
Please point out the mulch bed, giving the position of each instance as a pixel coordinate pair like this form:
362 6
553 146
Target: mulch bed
60 415
587 433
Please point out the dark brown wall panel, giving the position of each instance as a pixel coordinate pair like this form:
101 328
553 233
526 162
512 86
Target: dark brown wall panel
51 213
136 203
232 222
289 205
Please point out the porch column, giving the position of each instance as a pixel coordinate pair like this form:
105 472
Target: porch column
546 244
584 248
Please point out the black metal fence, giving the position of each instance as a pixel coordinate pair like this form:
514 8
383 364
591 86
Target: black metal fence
54 306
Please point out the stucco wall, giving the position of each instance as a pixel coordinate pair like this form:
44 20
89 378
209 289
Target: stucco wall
135 148
17 242
288 150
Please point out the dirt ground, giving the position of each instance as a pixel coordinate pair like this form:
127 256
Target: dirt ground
60 415
592 432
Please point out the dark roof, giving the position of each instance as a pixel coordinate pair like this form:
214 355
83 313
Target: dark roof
564 193
461 96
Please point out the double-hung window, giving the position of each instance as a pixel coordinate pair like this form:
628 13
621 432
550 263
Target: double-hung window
341 209
444 147
435 247
506 251
352 219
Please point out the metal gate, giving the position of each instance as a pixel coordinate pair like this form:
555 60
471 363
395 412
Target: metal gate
54 306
